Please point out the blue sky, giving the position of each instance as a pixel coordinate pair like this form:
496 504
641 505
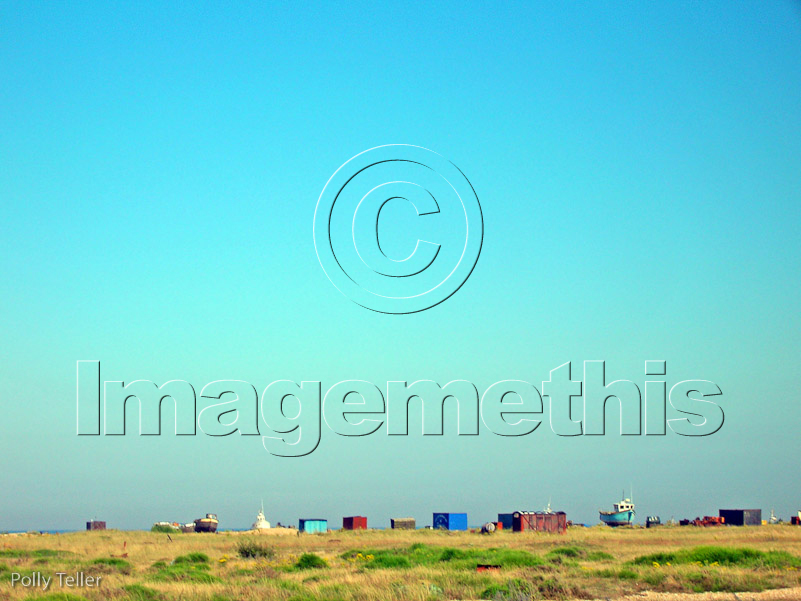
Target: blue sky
638 171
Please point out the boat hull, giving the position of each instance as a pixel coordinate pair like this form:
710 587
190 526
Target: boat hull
205 526
617 518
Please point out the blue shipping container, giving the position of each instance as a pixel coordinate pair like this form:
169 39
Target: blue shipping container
313 525
507 520
450 521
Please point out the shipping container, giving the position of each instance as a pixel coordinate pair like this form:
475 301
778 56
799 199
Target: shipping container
403 523
313 525
356 522
95 525
539 521
507 519
741 517
450 521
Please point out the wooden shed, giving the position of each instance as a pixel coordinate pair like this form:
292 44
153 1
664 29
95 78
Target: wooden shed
403 523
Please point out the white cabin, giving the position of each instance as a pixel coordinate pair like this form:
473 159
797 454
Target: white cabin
624 505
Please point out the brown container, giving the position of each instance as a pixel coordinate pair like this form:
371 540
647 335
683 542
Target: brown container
536 521
403 523
95 525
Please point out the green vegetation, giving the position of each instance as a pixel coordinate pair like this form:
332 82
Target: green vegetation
523 590
115 563
165 529
576 552
723 556
5 574
250 548
191 558
565 552
624 574
420 555
700 582
599 556
137 592
514 589
309 561
653 579
36 554
193 567
185 572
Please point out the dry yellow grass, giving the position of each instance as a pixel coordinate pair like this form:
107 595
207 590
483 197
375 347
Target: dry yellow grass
587 575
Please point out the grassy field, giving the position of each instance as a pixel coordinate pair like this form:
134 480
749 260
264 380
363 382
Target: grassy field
585 563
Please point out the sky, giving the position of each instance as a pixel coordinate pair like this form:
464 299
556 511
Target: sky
637 166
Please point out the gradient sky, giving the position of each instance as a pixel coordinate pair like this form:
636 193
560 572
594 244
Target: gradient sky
639 169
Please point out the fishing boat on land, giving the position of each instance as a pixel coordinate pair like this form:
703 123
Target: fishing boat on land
621 515
207 524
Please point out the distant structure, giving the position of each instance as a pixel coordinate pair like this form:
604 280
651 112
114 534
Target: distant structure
536 521
773 519
507 519
95 525
207 524
741 517
311 525
622 513
539 521
403 523
356 522
490 527
261 523
450 521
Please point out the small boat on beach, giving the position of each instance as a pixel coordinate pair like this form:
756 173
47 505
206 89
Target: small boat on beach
207 524
621 515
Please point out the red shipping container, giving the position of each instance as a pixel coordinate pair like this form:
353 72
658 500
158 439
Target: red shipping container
356 522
